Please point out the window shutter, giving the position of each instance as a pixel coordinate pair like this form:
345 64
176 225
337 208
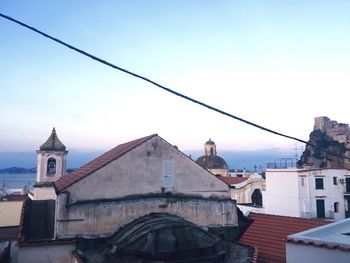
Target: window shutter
168 174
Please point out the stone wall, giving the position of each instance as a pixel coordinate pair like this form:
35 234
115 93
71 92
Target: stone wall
140 171
46 253
101 217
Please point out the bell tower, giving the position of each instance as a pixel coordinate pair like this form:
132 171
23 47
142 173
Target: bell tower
210 148
51 165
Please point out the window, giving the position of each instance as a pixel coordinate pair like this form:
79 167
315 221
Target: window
302 181
51 166
319 183
168 174
335 180
336 207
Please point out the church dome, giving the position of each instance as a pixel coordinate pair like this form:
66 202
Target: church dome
212 162
53 143
210 142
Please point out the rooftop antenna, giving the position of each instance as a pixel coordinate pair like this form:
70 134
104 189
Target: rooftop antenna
297 148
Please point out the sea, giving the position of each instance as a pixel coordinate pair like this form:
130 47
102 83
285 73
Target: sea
16 181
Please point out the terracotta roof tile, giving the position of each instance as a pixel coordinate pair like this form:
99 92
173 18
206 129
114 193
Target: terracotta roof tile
268 233
99 162
233 180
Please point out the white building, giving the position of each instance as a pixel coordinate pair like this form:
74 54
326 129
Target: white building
309 193
246 190
328 243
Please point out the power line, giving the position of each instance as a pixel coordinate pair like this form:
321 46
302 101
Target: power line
168 89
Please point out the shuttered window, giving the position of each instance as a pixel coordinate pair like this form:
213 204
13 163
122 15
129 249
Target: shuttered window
168 173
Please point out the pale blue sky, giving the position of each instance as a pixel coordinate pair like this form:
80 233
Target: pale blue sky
276 63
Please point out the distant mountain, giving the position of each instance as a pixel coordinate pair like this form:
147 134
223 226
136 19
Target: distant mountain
21 170
28 159
235 159
17 170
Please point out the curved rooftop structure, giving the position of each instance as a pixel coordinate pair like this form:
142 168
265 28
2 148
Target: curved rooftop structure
53 143
210 160
210 142
160 237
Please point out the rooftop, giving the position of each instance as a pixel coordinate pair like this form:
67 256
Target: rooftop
335 235
99 162
53 143
10 213
233 180
159 237
268 233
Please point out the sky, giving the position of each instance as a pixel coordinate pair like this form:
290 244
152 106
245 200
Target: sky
275 63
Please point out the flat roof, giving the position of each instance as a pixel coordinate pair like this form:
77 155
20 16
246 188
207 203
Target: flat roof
10 213
334 235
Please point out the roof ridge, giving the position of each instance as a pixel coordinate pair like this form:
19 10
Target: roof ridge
99 162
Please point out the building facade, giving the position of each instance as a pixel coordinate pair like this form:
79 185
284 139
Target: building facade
308 193
247 190
145 179
323 244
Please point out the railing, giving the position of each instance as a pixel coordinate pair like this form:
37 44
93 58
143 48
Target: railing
282 163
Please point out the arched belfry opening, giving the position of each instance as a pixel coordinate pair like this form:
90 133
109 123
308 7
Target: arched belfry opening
257 198
51 166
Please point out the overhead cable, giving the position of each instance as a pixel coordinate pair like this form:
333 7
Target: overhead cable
168 89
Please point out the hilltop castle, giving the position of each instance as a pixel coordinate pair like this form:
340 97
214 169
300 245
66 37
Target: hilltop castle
337 131
332 136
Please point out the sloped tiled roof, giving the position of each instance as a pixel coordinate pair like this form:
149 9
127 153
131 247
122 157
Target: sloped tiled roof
53 143
99 162
38 220
268 233
233 180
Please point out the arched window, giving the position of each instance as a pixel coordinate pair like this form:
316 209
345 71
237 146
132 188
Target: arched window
51 166
336 207
257 198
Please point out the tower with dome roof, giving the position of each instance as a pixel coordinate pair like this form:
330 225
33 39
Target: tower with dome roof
211 161
51 165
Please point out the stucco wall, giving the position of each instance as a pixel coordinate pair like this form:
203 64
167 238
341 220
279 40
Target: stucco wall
106 217
44 193
48 254
282 194
103 200
140 171
43 157
287 195
297 253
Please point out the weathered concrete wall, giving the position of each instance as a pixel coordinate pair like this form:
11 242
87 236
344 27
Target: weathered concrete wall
44 193
106 217
140 171
48 254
